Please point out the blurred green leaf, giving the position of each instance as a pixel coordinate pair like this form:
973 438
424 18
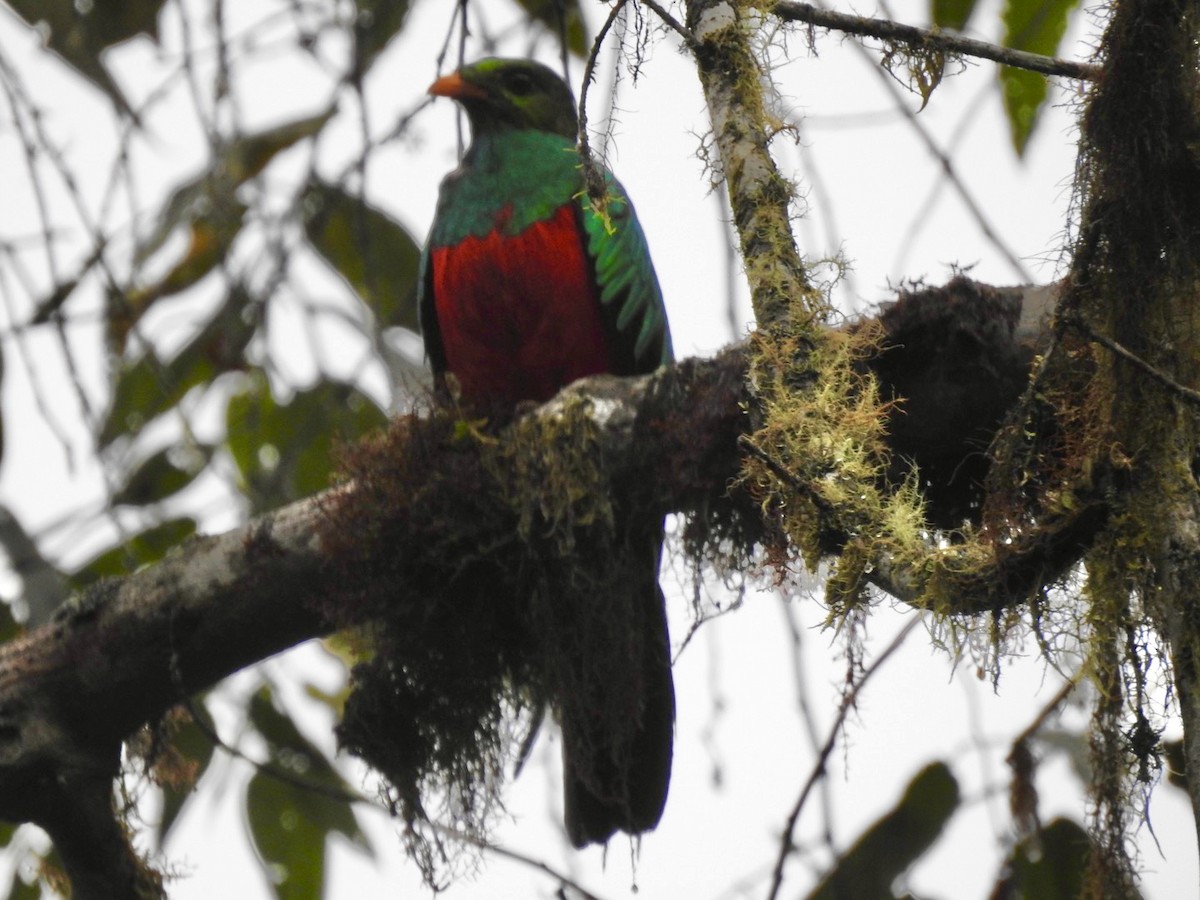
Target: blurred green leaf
210 237
233 164
295 753
551 13
284 451
79 30
208 209
952 13
374 253
376 23
43 585
1176 764
9 629
347 649
22 891
897 840
245 157
1037 26
147 387
290 821
159 476
149 546
1049 865
192 751
1074 745
289 838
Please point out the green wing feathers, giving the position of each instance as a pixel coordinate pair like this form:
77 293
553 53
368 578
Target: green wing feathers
632 309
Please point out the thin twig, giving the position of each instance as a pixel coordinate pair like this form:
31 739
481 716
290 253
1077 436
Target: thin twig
1047 711
270 769
806 712
886 30
780 471
593 180
349 796
1190 394
786 844
671 22
960 187
488 847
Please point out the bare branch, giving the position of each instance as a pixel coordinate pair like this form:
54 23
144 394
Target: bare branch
886 30
689 39
847 704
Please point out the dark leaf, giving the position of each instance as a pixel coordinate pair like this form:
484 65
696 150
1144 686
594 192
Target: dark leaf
147 387
9 629
1037 26
1049 865
952 13
290 819
374 253
1176 764
283 451
79 30
552 13
191 750
897 840
232 165
208 208
22 891
160 476
210 236
294 753
289 839
43 586
149 546
376 23
245 157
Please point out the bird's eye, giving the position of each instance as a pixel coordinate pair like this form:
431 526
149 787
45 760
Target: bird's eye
520 84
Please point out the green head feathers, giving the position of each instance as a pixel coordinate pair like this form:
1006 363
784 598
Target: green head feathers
516 94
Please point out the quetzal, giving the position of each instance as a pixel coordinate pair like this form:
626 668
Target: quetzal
525 288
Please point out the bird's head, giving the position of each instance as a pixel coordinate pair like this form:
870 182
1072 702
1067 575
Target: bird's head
511 94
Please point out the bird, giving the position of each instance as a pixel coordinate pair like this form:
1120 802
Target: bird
526 286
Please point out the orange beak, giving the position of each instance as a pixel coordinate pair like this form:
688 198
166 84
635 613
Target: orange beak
454 86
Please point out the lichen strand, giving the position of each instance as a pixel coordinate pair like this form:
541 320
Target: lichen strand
820 455
1134 280
483 565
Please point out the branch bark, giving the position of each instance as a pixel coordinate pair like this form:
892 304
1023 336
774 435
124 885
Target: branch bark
121 655
759 195
127 651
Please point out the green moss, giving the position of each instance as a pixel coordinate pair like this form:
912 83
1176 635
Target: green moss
821 455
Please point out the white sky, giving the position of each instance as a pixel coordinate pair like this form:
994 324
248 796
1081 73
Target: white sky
868 180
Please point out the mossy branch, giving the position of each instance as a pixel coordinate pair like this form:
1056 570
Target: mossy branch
73 690
760 197
1130 304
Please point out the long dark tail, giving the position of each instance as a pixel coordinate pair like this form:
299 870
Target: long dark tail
616 774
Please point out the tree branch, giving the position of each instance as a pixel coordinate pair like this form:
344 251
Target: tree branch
114 658
927 38
759 195
125 652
